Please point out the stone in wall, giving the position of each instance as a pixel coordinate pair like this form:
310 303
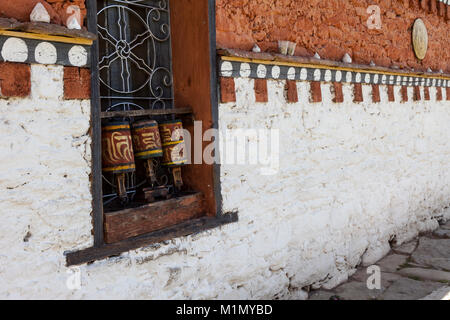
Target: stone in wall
21 9
61 6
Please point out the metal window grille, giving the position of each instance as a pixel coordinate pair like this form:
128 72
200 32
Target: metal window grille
135 70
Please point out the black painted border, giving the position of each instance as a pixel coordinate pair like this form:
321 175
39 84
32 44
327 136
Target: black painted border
238 69
215 103
62 50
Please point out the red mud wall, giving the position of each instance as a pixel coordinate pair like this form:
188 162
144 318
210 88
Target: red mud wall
333 27
21 9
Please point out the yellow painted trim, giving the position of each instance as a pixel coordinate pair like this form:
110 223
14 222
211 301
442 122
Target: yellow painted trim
175 163
46 37
119 168
319 66
109 128
146 153
172 143
146 127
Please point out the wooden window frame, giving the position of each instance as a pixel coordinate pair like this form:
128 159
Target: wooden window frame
101 250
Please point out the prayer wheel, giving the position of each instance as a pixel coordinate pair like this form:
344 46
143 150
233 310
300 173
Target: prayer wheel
171 131
174 154
117 153
174 148
147 145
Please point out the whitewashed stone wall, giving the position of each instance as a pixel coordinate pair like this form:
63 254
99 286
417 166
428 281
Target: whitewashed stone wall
44 186
352 177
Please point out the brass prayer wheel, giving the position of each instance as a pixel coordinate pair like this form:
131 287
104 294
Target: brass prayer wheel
174 148
117 146
174 154
117 153
171 131
147 145
173 143
146 140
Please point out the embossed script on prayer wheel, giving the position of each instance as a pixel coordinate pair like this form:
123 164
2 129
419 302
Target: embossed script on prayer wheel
171 131
117 148
146 140
420 39
174 148
147 145
173 143
174 154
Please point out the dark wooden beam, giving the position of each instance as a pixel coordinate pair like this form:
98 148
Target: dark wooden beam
46 28
180 230
124 224
139 113
96 132
214 83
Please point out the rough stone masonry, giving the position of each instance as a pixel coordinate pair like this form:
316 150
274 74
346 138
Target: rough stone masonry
333 28
356 175
359 176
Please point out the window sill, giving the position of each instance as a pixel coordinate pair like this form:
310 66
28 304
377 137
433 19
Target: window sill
148 218
179 230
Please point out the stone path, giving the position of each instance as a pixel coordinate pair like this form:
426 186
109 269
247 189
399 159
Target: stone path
416 270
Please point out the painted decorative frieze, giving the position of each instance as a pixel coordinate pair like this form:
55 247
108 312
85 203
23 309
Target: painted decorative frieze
243 69
24 50
262 71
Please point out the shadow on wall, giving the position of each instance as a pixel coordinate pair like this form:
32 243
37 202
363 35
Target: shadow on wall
58 9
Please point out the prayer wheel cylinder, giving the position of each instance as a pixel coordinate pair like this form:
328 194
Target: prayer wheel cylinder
173 143
117 153
174 154
117 148
171 131
147 145
174 148
146 140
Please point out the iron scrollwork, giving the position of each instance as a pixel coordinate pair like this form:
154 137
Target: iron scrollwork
134 62
134 65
